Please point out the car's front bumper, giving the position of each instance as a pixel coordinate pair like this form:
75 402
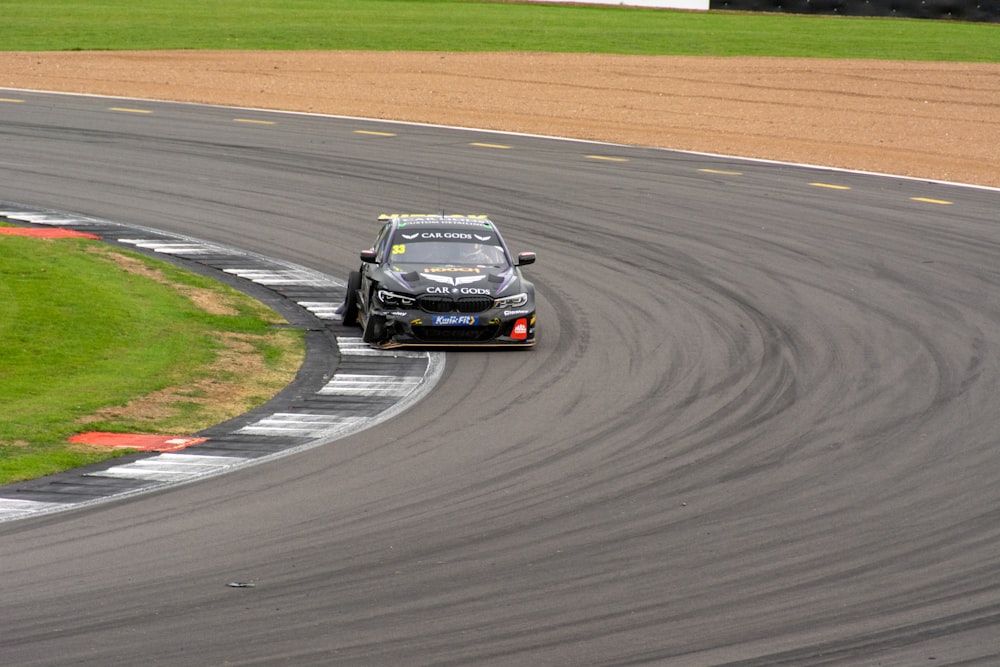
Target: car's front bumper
496 328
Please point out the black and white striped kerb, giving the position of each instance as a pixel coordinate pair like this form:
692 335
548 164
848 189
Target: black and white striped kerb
343 387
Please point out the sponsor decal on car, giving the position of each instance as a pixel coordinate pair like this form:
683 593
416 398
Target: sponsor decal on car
436 236
435 217
520 330
452 269
455 320
411 219
467 291
448 280
508 313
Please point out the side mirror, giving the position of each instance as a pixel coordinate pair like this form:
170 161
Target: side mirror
525 258
368 256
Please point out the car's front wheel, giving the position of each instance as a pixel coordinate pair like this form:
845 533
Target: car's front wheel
350 314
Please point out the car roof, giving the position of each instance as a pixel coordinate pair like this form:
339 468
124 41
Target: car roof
438 220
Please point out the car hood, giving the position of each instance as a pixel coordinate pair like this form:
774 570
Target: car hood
457 280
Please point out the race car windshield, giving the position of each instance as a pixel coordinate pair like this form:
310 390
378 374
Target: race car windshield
452 252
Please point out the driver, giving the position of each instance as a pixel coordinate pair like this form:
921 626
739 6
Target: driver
477 253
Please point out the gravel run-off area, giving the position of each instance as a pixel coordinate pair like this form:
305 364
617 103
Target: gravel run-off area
938 121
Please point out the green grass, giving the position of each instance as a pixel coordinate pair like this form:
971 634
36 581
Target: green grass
454 25
78 334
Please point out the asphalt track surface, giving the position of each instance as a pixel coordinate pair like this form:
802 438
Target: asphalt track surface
759 427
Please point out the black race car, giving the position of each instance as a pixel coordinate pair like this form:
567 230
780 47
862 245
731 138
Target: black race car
441 280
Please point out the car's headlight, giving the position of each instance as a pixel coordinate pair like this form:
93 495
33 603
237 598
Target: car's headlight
515 301
395 300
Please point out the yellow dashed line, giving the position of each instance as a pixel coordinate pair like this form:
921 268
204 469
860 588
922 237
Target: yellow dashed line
721 171
9 99
943 202
606 158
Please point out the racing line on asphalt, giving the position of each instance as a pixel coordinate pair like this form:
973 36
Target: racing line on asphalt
343 387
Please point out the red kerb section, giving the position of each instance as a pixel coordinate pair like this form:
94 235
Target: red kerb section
144 442
46 233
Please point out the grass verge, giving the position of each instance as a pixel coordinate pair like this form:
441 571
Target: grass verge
456 25
94 338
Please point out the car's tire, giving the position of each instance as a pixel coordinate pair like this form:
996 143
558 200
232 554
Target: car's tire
374 332
350 315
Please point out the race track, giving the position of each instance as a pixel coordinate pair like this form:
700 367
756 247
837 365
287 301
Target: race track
759 427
